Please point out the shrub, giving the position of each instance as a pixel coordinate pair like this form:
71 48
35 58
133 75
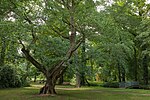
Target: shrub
8 77
25 83
145 87
95 83
111 84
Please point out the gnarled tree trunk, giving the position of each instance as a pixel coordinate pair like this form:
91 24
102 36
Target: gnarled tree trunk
51 79
56 71
49 87
145 70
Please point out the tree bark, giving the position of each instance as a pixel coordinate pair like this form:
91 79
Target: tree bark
119 72
49 87
61 80
83 82
78 80
35 78
145 69
83 61
135 65
123 75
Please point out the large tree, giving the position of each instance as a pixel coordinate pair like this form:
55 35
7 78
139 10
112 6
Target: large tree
47 34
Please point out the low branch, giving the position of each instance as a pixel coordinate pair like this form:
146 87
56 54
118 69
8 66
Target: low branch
33 61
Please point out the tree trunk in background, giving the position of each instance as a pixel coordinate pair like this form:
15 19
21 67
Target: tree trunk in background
76 64
78 80
123 75
145 70
135 65
83 81
35 78
119 72
83 62
61 80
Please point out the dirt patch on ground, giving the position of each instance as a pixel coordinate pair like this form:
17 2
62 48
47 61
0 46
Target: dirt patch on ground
44 95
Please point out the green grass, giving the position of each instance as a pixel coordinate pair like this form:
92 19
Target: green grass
71 93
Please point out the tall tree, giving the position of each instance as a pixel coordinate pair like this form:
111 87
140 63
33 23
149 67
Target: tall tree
50 25
129 15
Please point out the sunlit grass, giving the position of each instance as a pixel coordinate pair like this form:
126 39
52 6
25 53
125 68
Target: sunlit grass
72 93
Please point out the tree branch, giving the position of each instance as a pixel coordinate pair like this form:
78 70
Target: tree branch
59 33
20 42
27 19
78 44
33 61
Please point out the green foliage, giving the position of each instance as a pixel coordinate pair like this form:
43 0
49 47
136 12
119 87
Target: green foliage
110 46
9 77
24 83
96 83
51 50
123 38
111 84
116 36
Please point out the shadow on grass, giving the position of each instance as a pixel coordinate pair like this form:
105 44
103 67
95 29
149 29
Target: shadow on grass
72 93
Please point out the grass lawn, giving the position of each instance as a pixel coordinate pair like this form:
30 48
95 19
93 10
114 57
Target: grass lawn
71 93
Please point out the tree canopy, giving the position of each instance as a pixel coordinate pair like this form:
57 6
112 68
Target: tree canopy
88 40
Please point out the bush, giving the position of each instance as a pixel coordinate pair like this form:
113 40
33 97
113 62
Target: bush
8 77
145 87
111 84
25 83
95 83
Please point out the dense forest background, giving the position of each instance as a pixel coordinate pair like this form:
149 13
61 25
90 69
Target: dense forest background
82 42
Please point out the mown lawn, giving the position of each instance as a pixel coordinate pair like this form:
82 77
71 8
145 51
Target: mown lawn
71 93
